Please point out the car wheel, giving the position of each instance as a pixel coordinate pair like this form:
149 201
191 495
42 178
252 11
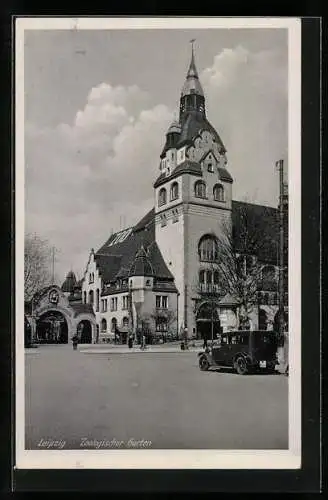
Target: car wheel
241 366
203 363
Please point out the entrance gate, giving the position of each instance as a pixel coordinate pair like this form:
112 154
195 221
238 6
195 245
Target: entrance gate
206 316
52 328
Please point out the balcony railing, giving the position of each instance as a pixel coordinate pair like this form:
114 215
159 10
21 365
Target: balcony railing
208 288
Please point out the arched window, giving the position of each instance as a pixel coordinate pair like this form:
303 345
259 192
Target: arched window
113 324
97 299
161 324
208 249
200 189
91 297
218 192
174 191
268 273
162 197
209 277
85 297
103 325
125 321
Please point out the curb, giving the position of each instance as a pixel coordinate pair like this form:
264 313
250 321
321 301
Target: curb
139 351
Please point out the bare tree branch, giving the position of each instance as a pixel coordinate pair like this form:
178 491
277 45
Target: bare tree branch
37 273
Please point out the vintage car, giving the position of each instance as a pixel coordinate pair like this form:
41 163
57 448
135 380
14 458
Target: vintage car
245 351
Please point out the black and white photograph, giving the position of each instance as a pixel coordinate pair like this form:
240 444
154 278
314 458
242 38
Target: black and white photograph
158 243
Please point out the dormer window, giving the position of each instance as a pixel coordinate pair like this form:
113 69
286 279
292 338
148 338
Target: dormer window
210 167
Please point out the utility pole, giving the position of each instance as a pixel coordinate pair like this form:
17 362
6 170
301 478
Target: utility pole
212 318
53 264
185 318
53 255
280 166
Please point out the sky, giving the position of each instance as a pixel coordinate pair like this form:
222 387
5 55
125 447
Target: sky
99 102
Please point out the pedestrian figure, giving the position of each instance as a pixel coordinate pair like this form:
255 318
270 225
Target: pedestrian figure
75 340
186 338
205 342
130 341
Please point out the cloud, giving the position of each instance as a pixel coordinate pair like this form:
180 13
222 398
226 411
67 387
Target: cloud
82 177
247 103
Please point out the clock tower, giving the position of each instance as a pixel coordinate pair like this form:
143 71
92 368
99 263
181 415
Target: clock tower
193 194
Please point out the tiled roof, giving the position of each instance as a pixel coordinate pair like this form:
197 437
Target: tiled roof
146 221
263 235
108 265
69 283
224 175
160 268
192 124
142 265
190 167
186 167
82 308
164 286
116 259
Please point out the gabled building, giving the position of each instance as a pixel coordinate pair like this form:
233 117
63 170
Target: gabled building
147 276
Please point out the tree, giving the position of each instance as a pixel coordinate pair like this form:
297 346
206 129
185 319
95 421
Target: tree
37 272
167 317
239 259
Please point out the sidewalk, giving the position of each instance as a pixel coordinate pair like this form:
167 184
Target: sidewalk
124 349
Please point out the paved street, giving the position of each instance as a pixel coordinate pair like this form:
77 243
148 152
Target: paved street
160 397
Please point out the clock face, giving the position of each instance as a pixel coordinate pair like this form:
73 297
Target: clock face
53 297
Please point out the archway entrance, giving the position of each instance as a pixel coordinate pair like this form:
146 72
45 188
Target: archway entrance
52 328
84 332
206 315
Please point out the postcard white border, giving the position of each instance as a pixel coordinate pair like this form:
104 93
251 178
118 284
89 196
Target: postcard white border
172 459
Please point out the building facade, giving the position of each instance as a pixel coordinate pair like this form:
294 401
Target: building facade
55 314
156 276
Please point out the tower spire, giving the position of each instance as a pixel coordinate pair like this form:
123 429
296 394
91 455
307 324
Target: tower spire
192 71
192 95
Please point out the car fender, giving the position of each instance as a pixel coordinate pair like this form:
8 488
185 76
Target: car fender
207 356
